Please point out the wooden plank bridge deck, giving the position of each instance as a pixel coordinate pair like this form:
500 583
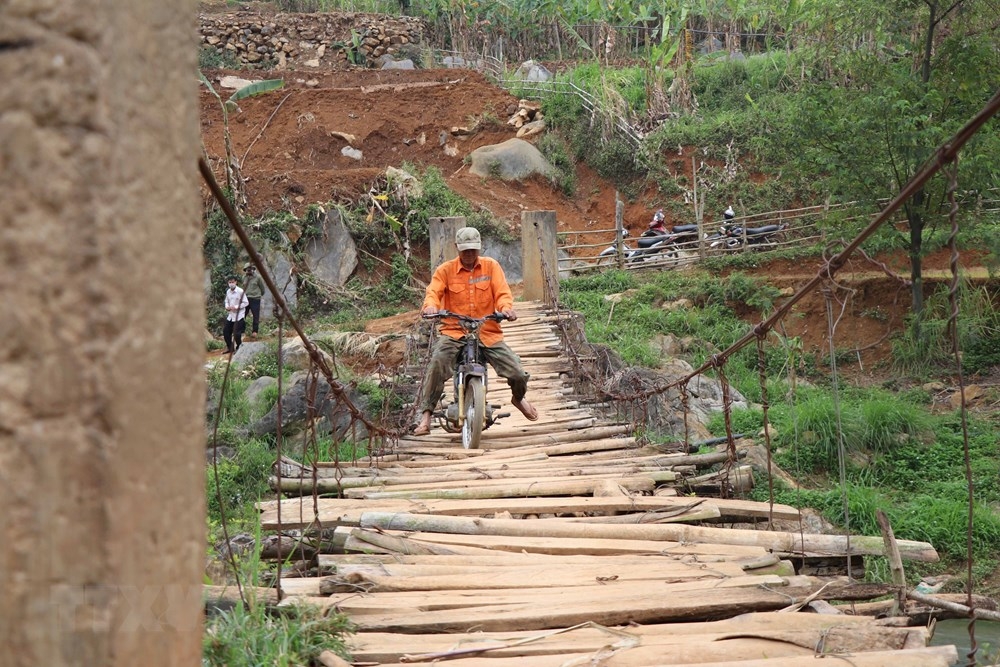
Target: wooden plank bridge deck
563 542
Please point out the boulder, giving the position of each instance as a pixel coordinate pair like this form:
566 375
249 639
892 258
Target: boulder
452 62
258 386
531 129
533 71
334 417
248 352
668 345
709 45
331 254
398 64
220 453
512 160
284 277
972 393
352 153
234 83
663 412
405 183
295 355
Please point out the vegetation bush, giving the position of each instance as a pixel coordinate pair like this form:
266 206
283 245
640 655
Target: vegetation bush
929 347
254 635
210 57
554 149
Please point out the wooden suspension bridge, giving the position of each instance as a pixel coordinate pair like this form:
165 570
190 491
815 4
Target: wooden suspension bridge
568 542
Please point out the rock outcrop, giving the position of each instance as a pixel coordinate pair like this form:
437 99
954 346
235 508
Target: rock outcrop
299 41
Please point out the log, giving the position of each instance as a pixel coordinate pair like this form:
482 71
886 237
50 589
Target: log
920 614
297 513
578 546
531 577
396 544
284 548
226 597
729 655
781 542
551 597
954 607
581 607
568 487
389 647
674 515
522 559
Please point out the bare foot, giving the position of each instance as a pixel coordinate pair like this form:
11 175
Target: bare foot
527 409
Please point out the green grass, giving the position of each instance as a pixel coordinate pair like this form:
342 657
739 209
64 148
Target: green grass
254 636
639 316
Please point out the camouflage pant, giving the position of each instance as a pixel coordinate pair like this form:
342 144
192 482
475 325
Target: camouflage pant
443 362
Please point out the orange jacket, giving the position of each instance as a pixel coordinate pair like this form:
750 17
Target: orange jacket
476 293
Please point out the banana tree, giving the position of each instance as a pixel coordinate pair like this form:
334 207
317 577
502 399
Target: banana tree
234 176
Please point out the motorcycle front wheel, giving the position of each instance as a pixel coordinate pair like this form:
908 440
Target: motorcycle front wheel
475 413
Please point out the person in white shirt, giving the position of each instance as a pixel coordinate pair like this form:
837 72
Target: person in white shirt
236 310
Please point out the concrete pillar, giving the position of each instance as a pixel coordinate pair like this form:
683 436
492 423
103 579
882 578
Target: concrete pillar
540 261
102 465
442 237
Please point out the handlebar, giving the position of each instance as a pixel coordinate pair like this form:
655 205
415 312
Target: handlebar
465 319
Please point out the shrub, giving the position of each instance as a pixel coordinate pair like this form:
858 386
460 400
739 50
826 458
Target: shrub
555 151
210 57
246 637
240 482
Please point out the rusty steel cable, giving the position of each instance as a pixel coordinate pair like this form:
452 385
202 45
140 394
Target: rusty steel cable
841 448
727 418
942 156
278 446
218 485
336 387
765 405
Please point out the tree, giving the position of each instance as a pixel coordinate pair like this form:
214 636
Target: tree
905 75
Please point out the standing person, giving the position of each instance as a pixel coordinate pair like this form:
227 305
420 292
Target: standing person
473 286
236 309
254 291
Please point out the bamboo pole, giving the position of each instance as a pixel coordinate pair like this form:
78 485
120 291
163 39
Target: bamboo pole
297 513
895 561
387 648
568 487
782 542
568 546
982 614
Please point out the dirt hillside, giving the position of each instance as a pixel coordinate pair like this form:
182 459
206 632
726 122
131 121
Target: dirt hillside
289 143
291 159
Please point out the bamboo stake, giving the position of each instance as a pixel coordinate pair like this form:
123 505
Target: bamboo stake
895 561
983 614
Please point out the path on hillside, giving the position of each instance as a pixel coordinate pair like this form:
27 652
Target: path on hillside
567 542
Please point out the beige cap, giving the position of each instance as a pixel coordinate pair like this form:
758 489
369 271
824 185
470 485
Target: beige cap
467 238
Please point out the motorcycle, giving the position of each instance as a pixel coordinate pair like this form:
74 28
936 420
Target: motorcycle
736 237
657 240
469 413
651 245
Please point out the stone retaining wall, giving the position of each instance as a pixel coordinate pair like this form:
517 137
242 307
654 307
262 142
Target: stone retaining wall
284 41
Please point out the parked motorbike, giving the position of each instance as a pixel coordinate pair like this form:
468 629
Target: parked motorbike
469 413
736 237
655 241
733 236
